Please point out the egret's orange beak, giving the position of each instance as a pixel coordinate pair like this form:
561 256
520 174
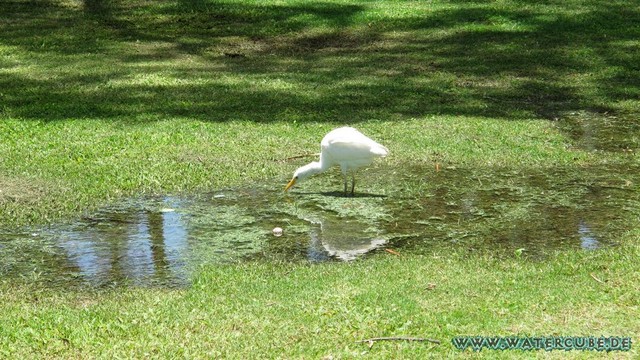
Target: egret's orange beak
290 184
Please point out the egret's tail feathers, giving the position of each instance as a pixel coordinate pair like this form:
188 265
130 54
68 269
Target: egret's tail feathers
380 150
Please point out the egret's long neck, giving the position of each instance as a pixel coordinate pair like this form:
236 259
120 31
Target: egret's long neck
324 163
312 168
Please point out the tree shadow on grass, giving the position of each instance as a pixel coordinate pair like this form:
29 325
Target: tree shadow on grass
221 61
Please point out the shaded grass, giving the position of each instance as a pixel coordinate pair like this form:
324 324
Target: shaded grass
297 310
313 62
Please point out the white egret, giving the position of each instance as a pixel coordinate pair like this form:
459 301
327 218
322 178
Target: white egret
346 147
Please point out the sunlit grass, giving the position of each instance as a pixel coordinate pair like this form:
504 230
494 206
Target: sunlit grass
103 100
80 164
272 309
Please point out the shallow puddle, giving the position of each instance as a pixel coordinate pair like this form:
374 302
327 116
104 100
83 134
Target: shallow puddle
602 132
161 241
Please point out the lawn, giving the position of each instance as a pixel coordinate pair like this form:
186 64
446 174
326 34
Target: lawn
272 310
105 100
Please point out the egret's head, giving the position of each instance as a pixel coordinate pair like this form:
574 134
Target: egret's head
302 173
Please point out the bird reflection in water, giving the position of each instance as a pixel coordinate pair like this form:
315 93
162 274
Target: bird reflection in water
341 239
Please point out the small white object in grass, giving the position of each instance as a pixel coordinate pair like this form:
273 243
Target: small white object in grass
277 231
166 210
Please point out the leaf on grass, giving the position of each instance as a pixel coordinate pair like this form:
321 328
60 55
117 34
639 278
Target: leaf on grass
390 251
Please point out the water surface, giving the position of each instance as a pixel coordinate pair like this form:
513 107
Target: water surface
162 240
594 131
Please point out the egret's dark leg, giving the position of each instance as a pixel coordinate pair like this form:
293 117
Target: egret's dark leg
345 183
353 182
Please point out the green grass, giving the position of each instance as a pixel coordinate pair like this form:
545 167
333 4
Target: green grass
56 169
103 100
119 98
302 311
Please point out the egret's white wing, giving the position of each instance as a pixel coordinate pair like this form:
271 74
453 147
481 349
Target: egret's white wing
349 147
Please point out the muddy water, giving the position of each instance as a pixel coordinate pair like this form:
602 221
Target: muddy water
602 132
531 211
160 241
